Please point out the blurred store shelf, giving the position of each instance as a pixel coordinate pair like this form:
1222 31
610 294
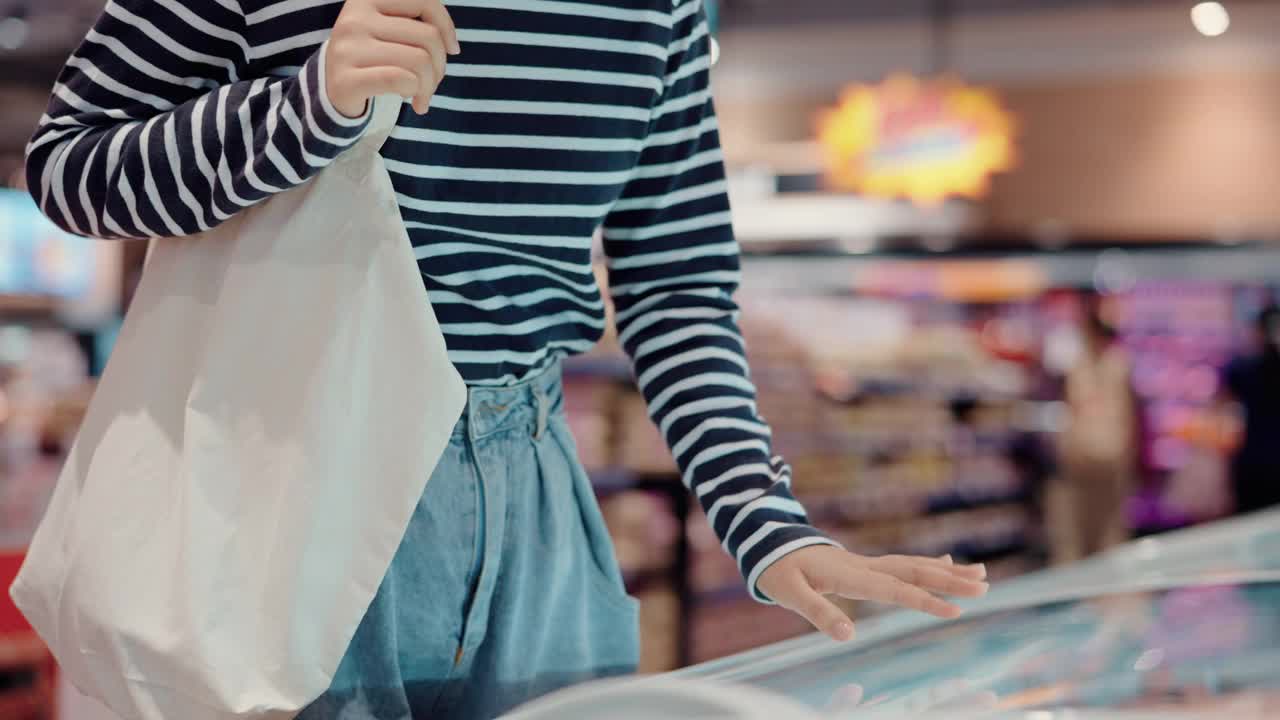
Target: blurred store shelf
1078 267
608 481
610 367
868 507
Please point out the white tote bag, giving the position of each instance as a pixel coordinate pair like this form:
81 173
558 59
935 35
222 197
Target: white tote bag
279 395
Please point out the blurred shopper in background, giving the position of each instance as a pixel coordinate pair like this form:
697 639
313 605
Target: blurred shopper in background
1253 382
1099 447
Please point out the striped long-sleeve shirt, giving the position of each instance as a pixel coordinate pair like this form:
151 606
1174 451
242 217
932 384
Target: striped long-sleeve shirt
558 118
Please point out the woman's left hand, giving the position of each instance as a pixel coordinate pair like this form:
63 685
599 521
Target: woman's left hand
801 581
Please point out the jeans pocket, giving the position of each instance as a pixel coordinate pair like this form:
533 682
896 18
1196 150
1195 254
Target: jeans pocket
604 572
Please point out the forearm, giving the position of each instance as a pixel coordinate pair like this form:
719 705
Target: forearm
151 132
673 268
689 361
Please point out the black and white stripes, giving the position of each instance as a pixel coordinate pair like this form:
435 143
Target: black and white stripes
558 117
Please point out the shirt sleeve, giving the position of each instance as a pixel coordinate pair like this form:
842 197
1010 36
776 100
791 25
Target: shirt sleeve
154 130
673 268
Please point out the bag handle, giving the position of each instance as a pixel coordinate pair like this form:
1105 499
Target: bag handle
386 113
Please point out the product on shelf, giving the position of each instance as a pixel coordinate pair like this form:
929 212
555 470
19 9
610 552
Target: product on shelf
712 571
589 404
729 627
661 629
639 446
644 531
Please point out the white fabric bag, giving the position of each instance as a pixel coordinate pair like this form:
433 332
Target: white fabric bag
279 395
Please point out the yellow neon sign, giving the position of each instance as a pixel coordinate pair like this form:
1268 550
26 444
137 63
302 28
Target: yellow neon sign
921 140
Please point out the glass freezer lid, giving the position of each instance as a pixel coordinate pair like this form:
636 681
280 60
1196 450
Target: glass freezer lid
1187 619
1189 647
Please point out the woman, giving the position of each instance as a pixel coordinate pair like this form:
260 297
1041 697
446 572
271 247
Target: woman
531 124
1253 382
1100 448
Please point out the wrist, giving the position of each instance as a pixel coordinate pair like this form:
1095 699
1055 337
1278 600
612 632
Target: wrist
346 108
337 115
786 541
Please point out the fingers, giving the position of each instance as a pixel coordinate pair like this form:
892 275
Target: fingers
415 60
792 590
855 581
430 11
435 13
973 572
389 46
418 37
414 34
384 80
801 580
930 576
823 614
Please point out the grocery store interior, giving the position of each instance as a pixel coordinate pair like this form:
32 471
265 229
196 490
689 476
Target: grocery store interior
1007 268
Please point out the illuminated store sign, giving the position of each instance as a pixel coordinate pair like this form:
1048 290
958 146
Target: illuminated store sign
924 140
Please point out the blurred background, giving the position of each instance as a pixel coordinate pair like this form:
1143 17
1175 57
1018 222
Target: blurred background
1004 264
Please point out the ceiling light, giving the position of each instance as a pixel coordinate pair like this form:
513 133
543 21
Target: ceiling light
1210 18
13 33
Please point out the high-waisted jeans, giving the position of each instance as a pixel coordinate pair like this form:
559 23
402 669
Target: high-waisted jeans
505 586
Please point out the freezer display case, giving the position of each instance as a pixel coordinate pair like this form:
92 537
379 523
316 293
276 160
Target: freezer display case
1183 623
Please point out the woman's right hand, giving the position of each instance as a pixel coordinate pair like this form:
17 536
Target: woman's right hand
385 47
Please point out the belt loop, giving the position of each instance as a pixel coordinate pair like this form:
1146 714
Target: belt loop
544 410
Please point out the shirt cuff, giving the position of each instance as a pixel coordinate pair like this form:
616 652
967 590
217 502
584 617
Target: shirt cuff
330 125
779 543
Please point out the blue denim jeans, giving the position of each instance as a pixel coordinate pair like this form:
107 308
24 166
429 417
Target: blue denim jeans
505 586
